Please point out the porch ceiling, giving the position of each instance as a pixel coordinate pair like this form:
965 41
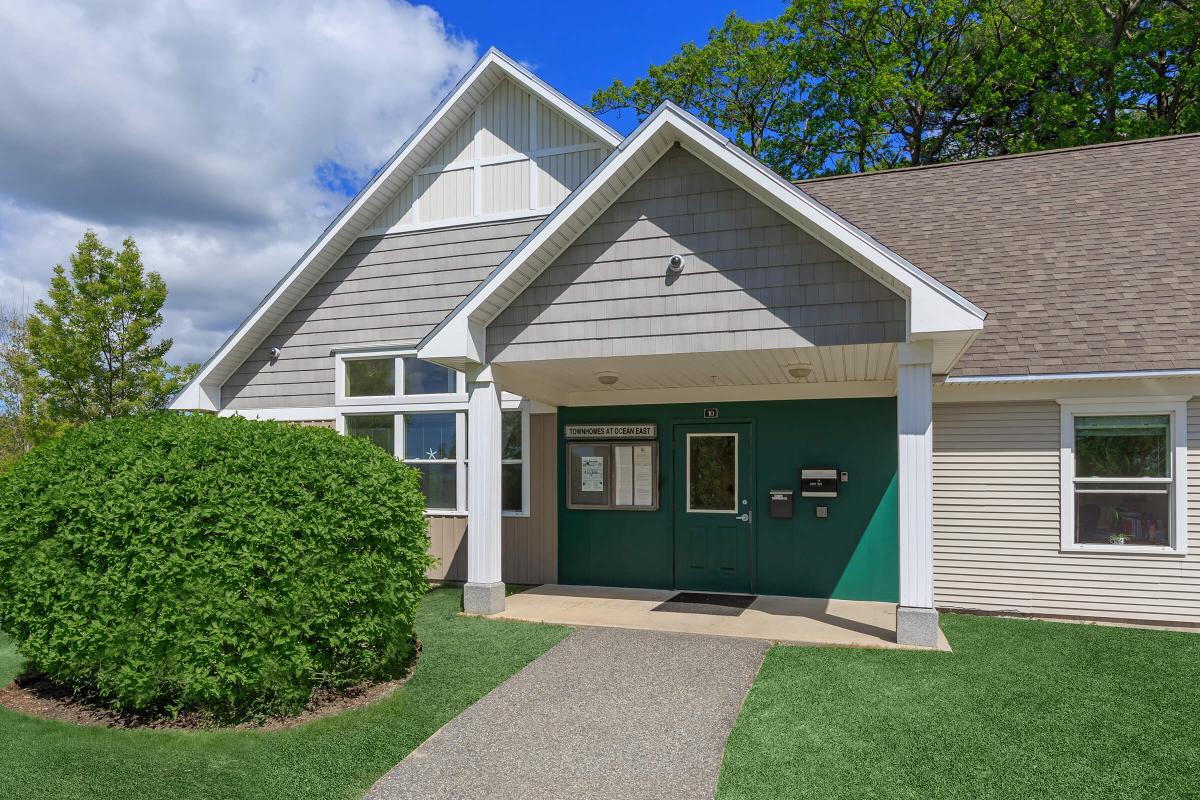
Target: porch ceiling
841 370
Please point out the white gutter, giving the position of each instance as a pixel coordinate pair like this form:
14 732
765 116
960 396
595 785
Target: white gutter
1073 376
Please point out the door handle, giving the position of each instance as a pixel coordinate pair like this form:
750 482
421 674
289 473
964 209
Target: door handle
744 517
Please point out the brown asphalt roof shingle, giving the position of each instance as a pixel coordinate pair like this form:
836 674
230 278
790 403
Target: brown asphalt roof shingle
1086 259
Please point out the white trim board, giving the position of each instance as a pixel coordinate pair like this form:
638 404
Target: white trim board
461 338
203 392
970 380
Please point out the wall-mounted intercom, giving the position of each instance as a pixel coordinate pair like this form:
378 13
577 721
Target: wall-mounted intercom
818 482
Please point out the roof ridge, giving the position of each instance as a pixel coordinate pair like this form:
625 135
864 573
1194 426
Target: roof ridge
1006 157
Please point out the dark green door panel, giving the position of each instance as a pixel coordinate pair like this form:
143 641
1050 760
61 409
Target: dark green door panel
852 554
714 491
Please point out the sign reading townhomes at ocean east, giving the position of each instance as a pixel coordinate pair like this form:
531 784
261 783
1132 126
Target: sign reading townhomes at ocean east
645 430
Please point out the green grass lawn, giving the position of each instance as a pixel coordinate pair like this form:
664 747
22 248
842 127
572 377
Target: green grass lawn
337 757
1021 709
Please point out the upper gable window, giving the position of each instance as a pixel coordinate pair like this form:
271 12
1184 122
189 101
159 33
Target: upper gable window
425 377
370 377
394 376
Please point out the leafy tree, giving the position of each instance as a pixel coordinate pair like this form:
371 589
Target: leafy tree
24 418
91 353
854 85
748 82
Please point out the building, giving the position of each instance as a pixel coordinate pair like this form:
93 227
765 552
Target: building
650 361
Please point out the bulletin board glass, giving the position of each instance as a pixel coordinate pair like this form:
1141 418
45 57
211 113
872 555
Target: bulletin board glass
613 475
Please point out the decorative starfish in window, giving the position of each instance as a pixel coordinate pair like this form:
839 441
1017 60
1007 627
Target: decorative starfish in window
431 454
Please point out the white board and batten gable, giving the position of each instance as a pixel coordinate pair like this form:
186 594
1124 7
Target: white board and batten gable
516 154
502 145
934 313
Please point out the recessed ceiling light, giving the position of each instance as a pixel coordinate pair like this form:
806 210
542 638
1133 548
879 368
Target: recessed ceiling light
799 371
607 378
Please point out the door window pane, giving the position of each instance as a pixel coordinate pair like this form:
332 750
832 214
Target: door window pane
439 482
1122 447
377 428
712 472
370 377
429 436
425 377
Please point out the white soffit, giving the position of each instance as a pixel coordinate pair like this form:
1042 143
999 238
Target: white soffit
203 392
459 339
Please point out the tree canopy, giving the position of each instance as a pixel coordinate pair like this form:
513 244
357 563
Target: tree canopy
853 85
87 351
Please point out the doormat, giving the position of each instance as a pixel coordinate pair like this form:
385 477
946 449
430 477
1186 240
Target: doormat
721 605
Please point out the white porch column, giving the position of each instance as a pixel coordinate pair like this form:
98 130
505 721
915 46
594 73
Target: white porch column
916 618
484 591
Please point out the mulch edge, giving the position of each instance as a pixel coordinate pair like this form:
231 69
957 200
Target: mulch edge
38 696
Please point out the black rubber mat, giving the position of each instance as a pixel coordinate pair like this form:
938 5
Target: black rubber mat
721 605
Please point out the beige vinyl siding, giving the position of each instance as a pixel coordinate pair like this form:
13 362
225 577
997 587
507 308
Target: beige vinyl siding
751 280
529 545
996 524
390 289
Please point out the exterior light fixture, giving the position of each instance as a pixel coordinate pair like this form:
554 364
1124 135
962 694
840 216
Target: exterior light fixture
675 263
275 351
607 378
799 371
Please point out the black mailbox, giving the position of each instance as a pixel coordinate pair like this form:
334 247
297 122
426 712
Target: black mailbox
781 503
818 482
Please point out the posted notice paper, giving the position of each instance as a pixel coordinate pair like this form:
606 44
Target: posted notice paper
643 475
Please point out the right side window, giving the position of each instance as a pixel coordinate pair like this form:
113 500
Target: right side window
1123 480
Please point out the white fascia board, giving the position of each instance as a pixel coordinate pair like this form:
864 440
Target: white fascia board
934 307
196 396
1072 376
352 220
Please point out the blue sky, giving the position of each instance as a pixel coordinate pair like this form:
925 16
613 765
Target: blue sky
225 136
575 48
578 48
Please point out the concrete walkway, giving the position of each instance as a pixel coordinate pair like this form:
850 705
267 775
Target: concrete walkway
789 620
606 713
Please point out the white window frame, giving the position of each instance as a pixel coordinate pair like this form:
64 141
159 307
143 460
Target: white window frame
1175 408
458 396
401 404
737 475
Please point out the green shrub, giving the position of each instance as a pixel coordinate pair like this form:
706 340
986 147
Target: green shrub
164 563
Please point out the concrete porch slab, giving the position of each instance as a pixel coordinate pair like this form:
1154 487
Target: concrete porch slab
788 620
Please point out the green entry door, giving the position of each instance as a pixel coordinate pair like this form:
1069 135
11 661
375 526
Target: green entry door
714 493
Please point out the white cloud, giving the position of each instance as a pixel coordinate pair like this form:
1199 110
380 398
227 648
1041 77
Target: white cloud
203 129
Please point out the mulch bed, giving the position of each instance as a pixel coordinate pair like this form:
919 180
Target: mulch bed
39 696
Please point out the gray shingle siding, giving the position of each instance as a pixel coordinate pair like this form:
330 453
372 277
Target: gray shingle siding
751 279
384 289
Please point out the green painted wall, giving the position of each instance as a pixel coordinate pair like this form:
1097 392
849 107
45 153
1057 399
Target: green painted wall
852 555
